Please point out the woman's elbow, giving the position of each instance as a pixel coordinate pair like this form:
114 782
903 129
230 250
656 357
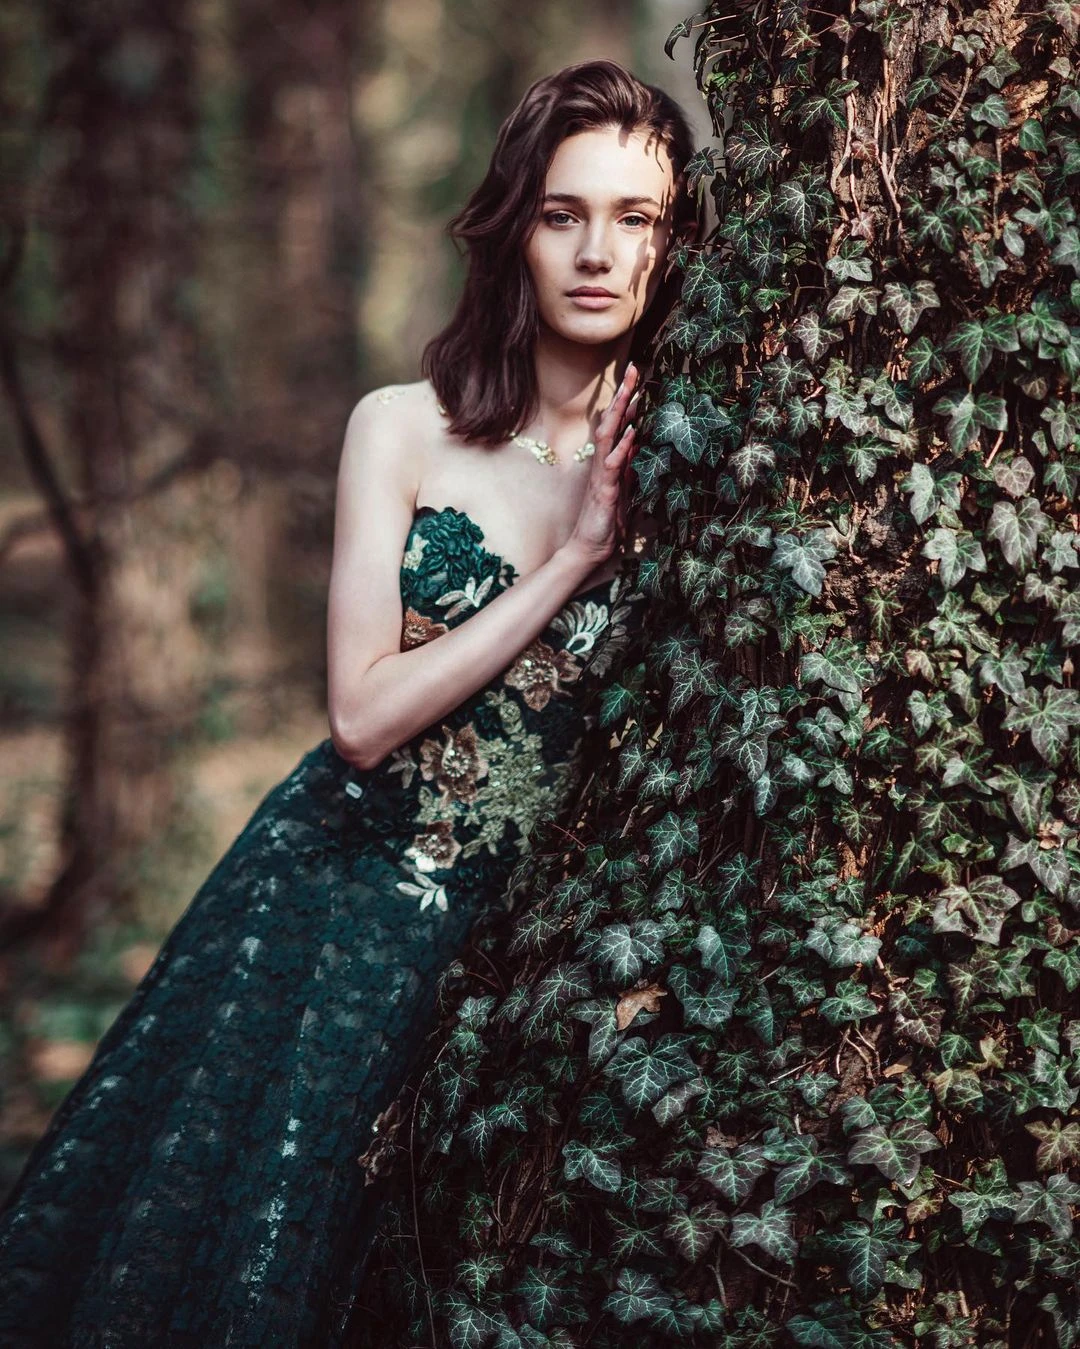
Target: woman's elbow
348 739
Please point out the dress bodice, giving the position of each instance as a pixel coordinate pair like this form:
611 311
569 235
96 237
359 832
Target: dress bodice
459 799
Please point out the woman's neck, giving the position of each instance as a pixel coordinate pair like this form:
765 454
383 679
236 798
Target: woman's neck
575 382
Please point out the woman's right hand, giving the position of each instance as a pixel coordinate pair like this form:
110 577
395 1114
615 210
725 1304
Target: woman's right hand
601 522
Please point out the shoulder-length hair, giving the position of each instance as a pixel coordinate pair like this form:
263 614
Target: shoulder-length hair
481 364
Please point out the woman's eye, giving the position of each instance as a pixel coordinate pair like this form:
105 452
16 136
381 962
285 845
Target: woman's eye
550 217
636 217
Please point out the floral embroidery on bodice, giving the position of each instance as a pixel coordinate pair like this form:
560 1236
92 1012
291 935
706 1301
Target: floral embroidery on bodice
455 805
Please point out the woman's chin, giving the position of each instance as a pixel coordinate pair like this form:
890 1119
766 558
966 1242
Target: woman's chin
599 330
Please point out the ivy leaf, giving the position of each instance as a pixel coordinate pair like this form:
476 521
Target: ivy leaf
804 557
733 1173
989 1196
770 1229
1014 475
800 199
625 952
907 303
864 1251
646 1071
751 151
1017 530
673 837
834 1325
693 1232
850 263
977 910
1059 1144
469 1326
807 1171
849 1002
1060 552
602 1172
1048 1202
711 1009
976 341
1047 716
1006 671
750 461
956 552
813 335
929 493
993 111
673 426
721 952
544 1294
636 1297
895 1150
840 942
851 300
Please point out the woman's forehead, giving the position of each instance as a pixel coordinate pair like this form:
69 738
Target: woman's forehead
611 164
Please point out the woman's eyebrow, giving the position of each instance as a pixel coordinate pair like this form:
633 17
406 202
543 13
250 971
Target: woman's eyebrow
620 202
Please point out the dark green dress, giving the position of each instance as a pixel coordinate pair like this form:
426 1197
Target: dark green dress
199 1186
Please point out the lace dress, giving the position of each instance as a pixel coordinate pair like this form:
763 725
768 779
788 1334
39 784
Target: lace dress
199 1186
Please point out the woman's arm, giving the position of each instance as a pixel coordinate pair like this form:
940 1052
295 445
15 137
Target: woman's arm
379 696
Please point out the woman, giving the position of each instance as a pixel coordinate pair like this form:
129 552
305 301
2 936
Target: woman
200 1185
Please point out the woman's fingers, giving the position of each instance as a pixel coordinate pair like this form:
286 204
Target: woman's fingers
617 409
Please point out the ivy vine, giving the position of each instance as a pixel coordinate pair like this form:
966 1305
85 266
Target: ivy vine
781 1046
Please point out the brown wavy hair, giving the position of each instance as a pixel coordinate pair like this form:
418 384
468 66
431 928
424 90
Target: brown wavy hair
481 364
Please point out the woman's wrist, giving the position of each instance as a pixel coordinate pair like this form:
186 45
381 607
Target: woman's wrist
577 560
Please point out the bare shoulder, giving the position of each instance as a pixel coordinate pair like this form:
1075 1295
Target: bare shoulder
398 424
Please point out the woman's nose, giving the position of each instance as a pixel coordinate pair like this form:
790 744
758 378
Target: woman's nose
595 249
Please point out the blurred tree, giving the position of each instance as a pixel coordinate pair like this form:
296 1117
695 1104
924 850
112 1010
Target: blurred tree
119 122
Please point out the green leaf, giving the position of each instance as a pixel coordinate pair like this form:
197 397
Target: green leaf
1059 1144
894 1150
636 1297
750 461
468 1326
647 1071
907 303
750 150
804 557
1046 715
733 1173
864 1251
956 552
993 111
1017 530
975 341
693 1232
813 335
770 1229
603 1173
849 1002
978 909
672 838
673 426
929 493
840 942
721 952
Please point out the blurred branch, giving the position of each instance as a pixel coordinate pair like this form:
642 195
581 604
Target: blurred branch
207 448
79 550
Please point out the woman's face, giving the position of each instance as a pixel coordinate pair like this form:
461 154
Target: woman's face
605 225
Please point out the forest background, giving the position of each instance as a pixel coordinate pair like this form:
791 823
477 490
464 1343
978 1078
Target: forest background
222 222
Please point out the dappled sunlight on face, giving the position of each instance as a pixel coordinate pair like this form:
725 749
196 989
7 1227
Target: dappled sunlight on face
605 224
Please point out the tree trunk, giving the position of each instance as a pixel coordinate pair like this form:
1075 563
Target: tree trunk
120 109
783 1049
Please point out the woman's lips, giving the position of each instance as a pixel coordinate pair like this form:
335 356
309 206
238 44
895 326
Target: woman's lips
594 301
